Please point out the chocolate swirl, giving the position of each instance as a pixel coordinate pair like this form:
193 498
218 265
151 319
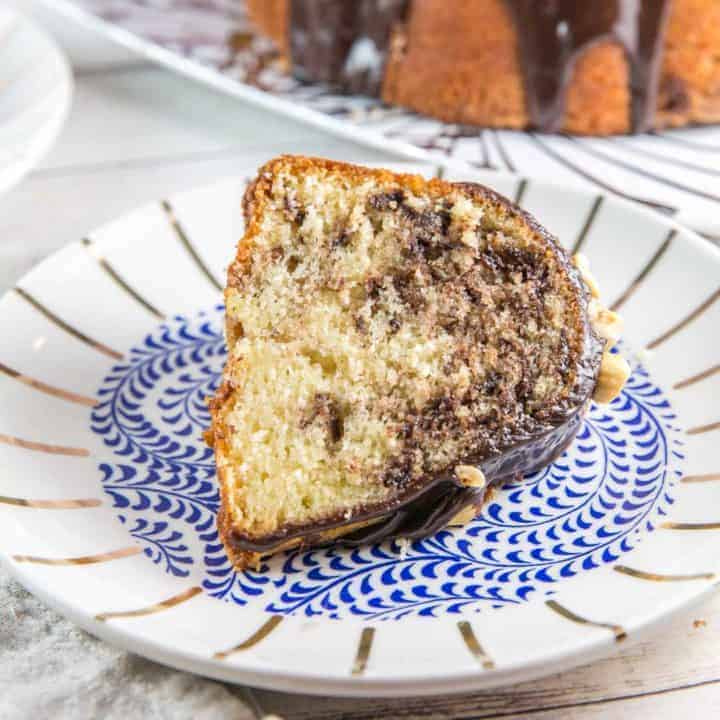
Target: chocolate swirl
421 512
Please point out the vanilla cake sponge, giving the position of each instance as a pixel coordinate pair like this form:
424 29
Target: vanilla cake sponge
396 345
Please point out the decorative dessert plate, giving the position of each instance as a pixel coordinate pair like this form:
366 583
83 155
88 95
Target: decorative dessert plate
674 172
35 94
108 499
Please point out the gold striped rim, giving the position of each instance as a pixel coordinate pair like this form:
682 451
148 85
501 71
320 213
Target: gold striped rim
578 169
119 281
50 504
48 389
709 236
520 192
363 651
617 630
580 241
504 155
654 260
77 334
700 429
484 152
657 577
694 315
474 646
697 378
151 609
593 151
43 447
701 478
185 240
707 147
260 634
83 560
690 526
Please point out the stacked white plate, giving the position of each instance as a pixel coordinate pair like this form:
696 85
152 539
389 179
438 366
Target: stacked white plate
35 94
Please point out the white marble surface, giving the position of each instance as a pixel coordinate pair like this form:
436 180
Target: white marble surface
136 133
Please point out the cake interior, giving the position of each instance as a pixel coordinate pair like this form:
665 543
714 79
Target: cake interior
381 333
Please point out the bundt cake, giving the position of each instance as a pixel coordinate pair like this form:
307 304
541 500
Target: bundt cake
593 67
396 346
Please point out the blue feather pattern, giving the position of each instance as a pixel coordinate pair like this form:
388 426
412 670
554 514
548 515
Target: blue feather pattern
588 508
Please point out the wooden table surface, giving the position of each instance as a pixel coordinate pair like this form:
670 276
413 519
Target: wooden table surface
137 132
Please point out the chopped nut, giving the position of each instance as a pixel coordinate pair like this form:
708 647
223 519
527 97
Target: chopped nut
614 371
583 265
470 476
464 516
607 324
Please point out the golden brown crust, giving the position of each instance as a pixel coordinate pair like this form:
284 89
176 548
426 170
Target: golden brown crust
475 78
271 19
690 84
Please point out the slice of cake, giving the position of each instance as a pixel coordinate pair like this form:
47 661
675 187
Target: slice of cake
396 345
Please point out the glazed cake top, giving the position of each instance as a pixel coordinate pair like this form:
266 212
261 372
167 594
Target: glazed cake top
347 43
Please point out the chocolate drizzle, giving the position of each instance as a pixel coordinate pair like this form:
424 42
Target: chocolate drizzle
552 34
343 42
422 513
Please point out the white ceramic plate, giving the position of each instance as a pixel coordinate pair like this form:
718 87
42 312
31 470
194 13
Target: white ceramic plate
675 173
35 94
108 500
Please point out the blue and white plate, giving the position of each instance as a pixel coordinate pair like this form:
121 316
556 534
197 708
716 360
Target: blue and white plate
108 497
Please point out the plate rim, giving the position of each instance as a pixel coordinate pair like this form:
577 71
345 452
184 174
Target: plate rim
351 686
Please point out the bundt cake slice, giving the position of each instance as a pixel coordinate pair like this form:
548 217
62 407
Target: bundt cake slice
396 345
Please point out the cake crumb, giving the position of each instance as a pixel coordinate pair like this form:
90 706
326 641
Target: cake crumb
699 624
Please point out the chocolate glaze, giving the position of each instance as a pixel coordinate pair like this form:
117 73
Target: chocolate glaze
421 513
440 503
343 42
552 34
